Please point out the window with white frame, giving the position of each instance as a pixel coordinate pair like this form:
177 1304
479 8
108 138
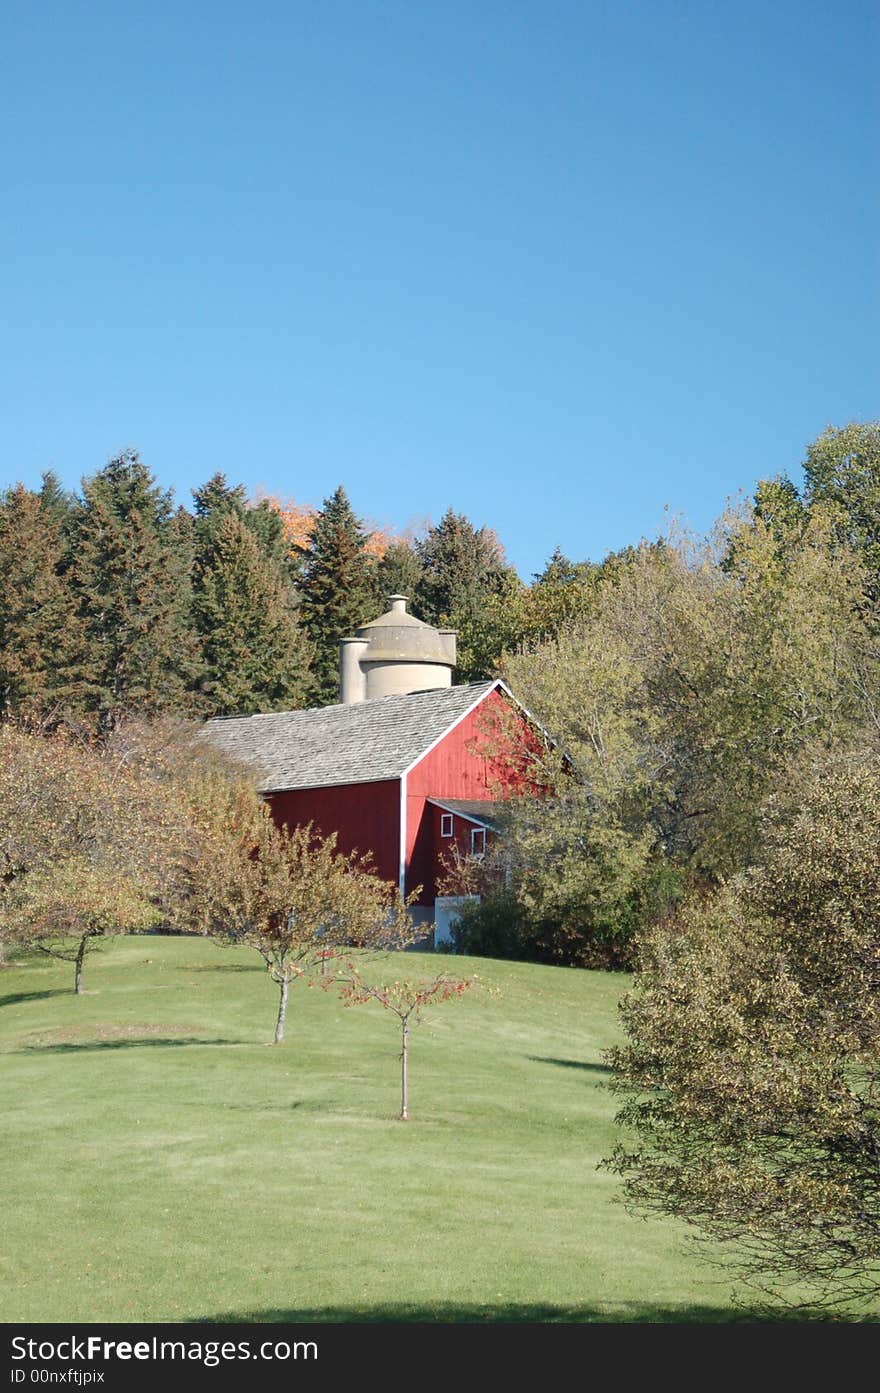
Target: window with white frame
446 824
478 841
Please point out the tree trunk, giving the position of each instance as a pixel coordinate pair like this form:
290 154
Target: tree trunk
404 1082
282 1012
80 959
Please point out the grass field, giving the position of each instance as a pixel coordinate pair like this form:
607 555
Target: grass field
161 1162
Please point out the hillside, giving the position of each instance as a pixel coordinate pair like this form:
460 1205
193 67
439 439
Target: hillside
161 1162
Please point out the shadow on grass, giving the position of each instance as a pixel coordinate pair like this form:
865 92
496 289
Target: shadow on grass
90 1046
572 1064
511 1313
16 997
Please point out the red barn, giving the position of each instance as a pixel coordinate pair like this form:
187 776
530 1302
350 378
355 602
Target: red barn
405 774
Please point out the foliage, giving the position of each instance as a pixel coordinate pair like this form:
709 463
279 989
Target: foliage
560 594
842 468
130 578
565 882
255 655
337 588
684 693
39 630
467 585
753 1065
289 895
405 1000
84 840
399 571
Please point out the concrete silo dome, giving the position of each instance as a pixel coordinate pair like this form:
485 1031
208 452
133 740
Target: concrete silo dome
395 654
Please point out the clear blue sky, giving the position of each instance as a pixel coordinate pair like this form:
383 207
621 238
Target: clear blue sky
555 263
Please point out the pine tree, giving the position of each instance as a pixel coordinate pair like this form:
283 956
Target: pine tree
460 563
38 627
256 656
467 586
337 587
561 593
215 499
130 576
399 572
56 502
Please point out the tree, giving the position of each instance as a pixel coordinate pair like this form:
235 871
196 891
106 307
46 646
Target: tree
39 630
79 901
256 657
752 1068
398 572
216 499
130 575
82 841
571 884
290 896
562 593
57 503
467 585
842 468
337 588
405 1000
683 692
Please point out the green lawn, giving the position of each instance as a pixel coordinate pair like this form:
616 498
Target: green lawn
161 1162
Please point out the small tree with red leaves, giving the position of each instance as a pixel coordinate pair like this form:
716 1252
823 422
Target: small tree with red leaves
407 1001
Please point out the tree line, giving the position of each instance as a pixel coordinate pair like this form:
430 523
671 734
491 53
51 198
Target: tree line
116 603
686 681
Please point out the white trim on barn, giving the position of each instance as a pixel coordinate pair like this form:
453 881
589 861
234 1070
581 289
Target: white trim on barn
457 722
459 812
401 863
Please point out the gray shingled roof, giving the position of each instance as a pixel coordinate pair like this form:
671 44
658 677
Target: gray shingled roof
352 744
475 809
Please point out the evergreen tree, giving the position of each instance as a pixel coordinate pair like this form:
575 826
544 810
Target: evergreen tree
562 592
337 587
130 574
467 585
215 499
458 561
256 656
38 627
56 501
399 572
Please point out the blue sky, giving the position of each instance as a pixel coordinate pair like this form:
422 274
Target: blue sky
554 264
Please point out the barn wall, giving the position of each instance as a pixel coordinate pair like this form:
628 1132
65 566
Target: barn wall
482 757
445 847
365 816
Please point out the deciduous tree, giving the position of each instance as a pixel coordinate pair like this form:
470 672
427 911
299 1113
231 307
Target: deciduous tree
752 1068
405 1000
290 896
84 842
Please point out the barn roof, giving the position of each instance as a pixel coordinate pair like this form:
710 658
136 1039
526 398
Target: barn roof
346 744
482 810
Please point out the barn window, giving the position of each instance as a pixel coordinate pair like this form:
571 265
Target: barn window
446 824
478 841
